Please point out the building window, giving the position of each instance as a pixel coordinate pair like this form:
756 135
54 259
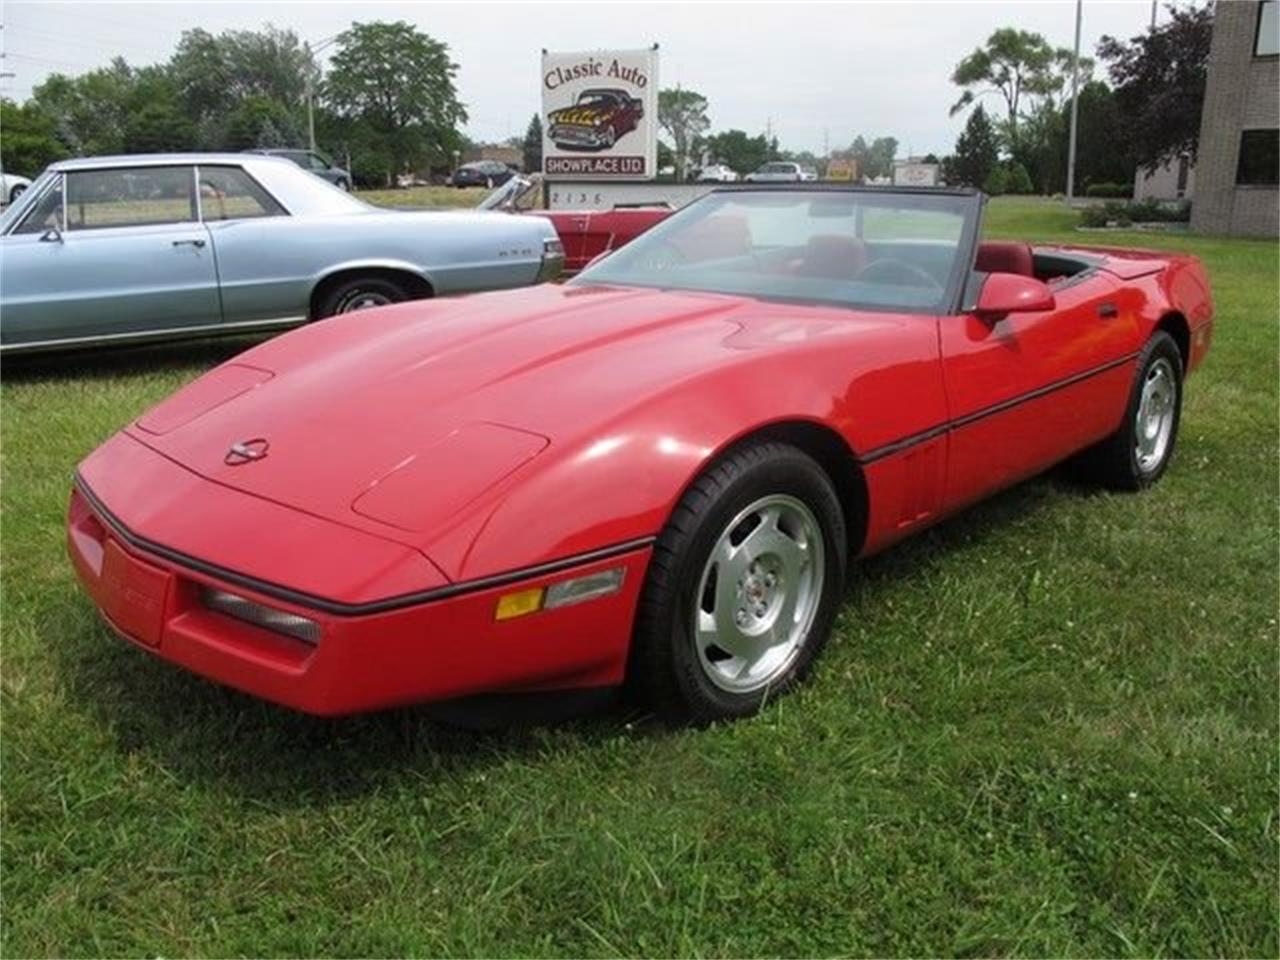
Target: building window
1259 159
1266 43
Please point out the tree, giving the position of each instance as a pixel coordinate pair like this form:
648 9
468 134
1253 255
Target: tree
738 151
997 182
683 115
159 128
260 122
90 111
30 141
398 84
212 76
1018 65
1159 80
533 145
976 151
875 159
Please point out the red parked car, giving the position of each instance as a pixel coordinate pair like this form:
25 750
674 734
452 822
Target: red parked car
596 121
585 234
657 473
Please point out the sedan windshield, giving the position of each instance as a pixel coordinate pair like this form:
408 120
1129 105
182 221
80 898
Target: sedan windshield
874 249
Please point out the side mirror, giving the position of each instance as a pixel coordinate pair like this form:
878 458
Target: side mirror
1005 293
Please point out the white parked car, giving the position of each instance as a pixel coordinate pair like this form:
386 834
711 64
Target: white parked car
11 186
718 173
779 171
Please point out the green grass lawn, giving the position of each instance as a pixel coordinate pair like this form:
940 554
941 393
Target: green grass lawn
425 197
1046 727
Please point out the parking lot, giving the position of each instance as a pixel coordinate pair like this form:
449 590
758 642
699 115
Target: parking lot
1046 727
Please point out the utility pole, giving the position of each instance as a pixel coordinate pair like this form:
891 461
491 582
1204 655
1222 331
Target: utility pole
311 92
1153 13
1075 105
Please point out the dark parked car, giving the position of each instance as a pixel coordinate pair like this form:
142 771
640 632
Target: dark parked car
482 173
315 162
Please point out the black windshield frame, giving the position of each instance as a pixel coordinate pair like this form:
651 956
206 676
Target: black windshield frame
972 203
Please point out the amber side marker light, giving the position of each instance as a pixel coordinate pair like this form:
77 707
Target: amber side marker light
563 594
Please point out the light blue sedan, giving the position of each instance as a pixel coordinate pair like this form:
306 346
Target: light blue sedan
135 248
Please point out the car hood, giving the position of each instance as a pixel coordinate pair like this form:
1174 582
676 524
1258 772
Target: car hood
398 419
580 116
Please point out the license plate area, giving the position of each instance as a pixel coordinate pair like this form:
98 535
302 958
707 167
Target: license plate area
134 594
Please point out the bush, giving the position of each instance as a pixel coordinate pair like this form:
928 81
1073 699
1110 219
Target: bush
997 182
1019 181
1122 191
1121 214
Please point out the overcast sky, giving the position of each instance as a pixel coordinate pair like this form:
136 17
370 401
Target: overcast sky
812 71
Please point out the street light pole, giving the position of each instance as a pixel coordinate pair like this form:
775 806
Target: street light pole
1075 104
311 90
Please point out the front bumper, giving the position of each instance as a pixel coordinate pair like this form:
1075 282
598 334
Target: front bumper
367 658
582 137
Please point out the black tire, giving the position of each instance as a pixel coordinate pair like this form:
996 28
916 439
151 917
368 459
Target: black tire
348 296
344 185
16 192
1115 462
665 668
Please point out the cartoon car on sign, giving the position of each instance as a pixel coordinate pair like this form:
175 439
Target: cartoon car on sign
595 121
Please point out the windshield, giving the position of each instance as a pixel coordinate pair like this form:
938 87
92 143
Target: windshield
16 210
518 193
876 249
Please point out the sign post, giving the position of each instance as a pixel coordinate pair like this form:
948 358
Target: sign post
600 115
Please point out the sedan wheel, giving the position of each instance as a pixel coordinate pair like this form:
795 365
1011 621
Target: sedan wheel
361 293
742 587
16 192
363 300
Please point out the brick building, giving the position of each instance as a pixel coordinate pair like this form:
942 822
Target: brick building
1237 174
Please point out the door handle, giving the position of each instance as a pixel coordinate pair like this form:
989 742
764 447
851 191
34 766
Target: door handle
1108 311
194 243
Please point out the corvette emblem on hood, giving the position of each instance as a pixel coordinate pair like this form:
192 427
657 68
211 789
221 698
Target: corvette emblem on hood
246 451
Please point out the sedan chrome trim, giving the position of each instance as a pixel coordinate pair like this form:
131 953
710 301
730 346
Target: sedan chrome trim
241 326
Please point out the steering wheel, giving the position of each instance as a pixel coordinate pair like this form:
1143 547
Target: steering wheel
891 271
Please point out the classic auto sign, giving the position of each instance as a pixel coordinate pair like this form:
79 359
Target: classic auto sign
600 114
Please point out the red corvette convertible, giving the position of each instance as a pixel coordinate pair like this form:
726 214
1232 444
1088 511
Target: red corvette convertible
657 473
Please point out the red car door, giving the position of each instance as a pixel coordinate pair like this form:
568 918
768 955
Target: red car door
1028 389
607 230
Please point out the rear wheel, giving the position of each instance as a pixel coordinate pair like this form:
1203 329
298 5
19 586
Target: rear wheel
16 192
360 293
1136 455
743 586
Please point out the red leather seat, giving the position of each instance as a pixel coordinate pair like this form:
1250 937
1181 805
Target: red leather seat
832 257
1005 256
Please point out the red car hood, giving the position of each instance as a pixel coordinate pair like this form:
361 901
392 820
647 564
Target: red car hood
395 420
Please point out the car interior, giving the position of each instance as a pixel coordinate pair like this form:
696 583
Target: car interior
886 258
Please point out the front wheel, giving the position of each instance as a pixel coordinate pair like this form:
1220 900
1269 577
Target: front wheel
742 588
16 192
1136 455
